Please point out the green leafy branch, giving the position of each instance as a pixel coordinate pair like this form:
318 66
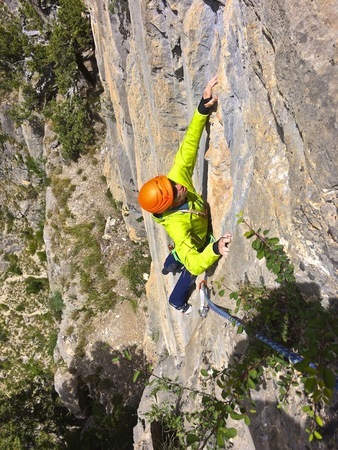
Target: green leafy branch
52 73
269 248
208 422
281 314
204 428
284 315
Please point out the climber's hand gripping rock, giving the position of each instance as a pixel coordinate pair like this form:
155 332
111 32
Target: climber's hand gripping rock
224 244
208 92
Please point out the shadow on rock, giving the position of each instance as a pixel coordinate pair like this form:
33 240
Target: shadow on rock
274 429
293 317
108 395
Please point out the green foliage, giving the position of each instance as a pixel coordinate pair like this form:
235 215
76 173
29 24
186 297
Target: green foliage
13 261
56 305
39 63
70 37
36 166
72 121
113 431
33 417
12 42
137 265
33 239
33 21
170 426
42 256
62 189
26 109
55 61
269 248
56 55
94 279
35 285
3 335
282 315
286 317
207 424
52 342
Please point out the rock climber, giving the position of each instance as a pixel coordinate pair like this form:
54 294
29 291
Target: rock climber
176 205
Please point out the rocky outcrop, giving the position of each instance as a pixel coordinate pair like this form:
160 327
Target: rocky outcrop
23 270
270 148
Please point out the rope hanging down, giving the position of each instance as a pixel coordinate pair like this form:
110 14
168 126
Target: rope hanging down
287 353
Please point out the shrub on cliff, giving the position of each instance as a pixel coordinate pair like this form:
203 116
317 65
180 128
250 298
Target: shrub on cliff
51 61
73 123
12 42
291 340
70 37
33 416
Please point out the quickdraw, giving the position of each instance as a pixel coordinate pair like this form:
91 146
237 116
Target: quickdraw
204 308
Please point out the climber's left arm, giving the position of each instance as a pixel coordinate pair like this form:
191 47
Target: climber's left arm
185 158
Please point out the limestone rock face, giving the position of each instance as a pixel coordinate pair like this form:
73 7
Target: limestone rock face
270 146
269 150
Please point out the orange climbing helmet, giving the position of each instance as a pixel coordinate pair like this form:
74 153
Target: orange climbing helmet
156 195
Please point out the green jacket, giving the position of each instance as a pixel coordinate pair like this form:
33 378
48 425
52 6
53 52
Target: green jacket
189 231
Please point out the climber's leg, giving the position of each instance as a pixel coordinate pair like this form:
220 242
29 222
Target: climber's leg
182 290
171 265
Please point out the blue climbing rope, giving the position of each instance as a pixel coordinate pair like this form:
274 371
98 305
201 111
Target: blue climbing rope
287 353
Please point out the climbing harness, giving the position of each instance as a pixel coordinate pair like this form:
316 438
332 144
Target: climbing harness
209 240
203 311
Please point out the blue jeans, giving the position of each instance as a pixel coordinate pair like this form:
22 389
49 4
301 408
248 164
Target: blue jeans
182 289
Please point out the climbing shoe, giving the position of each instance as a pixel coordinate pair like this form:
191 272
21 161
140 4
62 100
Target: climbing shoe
186 309
173 268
